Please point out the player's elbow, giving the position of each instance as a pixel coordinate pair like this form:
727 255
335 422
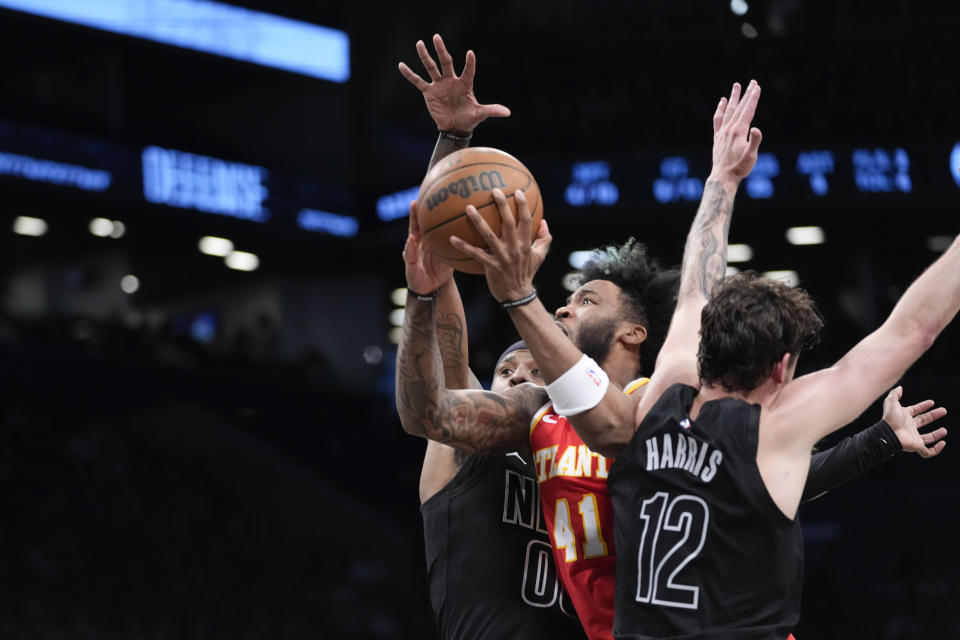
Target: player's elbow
926 337
917 337
412 426
915 332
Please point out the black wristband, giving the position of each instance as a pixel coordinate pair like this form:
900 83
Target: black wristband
886 444
456 137
424 297
509 304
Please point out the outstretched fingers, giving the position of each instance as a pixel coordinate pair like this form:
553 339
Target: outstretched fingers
412 77
923 415
748 106
446 60
933 443
916 409
427 61
929 417
732 103
469 69
718 115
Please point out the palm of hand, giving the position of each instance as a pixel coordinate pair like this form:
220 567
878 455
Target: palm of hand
906 428
453 106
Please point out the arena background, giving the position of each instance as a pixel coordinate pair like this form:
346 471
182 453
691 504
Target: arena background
203 452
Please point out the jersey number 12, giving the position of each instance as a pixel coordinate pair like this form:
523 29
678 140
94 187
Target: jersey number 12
681 520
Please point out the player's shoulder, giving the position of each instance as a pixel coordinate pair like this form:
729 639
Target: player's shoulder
547 411
664 397
636 387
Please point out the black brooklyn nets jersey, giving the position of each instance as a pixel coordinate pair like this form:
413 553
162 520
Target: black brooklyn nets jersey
489 562
702 549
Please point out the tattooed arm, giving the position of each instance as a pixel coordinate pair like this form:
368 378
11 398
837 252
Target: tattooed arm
735 146
470 420
441 462
456 112
452 338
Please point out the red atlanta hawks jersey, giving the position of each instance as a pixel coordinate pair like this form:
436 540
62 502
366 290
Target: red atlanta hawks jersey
579 516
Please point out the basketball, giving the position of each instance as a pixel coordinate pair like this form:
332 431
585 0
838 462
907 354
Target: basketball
469 176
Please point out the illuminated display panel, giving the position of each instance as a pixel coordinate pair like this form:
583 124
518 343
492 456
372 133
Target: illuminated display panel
190 183
173 182
210 27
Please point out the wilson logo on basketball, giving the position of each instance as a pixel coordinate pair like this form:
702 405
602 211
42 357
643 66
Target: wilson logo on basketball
483 181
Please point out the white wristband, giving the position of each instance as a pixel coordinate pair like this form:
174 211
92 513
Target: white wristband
580 388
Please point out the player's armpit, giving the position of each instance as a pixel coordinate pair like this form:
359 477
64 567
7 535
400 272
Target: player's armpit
483 421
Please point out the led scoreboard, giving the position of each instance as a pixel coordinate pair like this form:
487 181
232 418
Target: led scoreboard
645 182
165 179
175 180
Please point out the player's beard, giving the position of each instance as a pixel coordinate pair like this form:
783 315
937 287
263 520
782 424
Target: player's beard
596 339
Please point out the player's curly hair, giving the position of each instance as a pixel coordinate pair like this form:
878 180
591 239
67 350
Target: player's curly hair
649 291
747 327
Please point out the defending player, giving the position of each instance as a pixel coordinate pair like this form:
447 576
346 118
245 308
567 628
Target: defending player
476 508
706 489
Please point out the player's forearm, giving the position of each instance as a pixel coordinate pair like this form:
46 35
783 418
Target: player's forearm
419 375
470 420
930 303
704 267
705 253
552 350
608 427
849 458
452 338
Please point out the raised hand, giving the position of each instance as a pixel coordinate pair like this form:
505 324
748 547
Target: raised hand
425 271
450 98
735 143
509 261
906 422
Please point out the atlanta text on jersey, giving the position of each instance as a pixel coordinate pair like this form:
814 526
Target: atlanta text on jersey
577 461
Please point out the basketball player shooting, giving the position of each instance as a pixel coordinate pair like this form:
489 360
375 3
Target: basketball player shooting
639 312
